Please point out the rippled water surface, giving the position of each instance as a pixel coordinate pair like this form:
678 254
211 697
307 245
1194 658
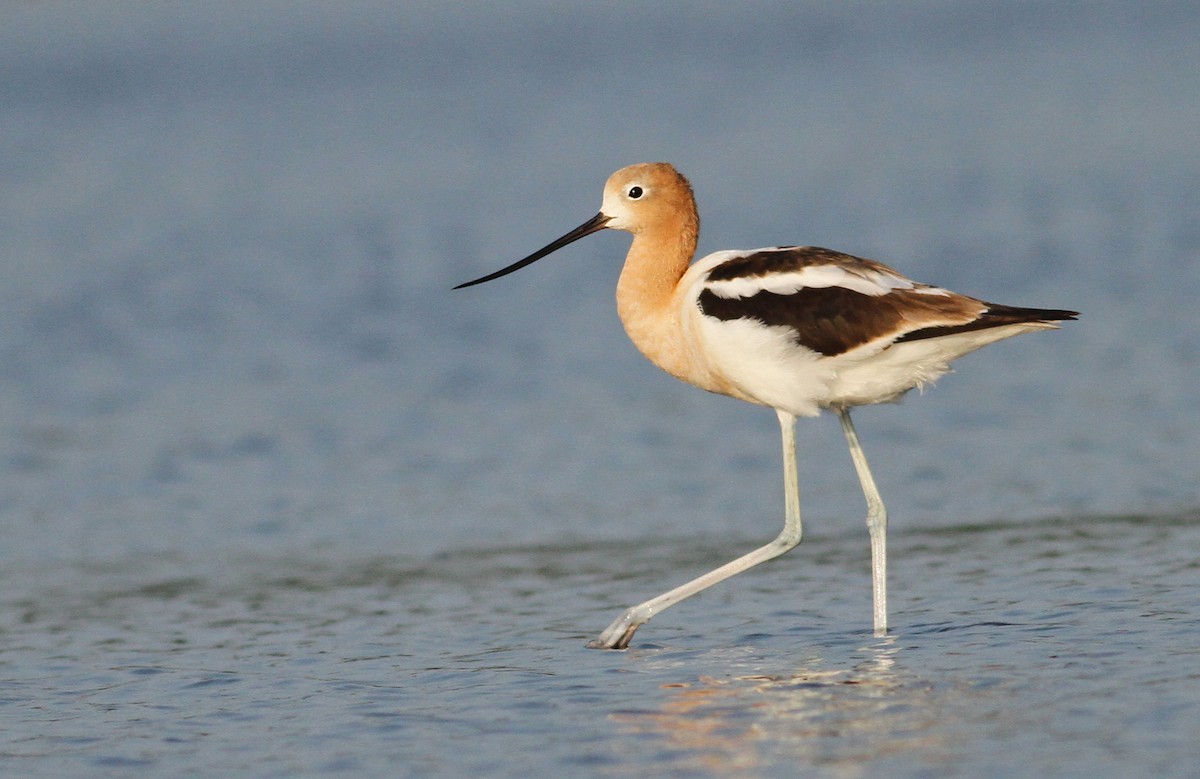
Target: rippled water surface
1049 648
274 501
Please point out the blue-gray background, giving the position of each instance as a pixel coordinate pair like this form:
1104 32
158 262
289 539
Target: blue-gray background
228 233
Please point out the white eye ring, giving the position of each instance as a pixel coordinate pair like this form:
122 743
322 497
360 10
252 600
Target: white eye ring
636 192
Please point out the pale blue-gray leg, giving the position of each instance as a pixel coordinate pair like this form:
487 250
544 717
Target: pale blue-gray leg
618 634
876 524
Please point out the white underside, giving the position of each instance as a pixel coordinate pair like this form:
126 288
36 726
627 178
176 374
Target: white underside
873 375
765 365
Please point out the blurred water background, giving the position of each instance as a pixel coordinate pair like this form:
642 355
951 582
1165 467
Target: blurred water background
275 502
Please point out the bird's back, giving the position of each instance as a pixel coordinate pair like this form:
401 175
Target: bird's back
803 328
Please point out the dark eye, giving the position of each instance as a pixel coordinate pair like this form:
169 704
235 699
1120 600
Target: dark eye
635 193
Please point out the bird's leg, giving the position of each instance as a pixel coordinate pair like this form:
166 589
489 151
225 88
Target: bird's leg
876 524
618 634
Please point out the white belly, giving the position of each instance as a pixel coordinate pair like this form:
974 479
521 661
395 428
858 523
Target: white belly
765 365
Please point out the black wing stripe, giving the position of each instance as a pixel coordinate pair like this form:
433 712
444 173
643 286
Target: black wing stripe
994 316
828 320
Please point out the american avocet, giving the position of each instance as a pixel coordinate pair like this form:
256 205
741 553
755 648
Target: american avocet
794 328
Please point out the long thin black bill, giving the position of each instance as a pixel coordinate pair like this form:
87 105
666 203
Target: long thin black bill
595 224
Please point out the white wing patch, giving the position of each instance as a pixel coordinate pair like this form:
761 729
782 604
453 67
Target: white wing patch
866 281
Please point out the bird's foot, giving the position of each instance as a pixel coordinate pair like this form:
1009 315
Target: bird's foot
618 634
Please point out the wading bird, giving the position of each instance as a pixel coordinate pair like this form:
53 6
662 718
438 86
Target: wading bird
794 328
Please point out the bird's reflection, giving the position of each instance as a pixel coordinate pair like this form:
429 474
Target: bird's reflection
832 717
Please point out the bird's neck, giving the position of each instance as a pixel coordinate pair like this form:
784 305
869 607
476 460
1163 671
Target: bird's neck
646 291
656 261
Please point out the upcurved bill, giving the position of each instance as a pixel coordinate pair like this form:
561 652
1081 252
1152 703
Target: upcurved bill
595 224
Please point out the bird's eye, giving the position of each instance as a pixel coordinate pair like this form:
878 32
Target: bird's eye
635 193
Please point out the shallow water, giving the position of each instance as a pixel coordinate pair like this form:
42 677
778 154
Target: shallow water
275 502
1034 649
